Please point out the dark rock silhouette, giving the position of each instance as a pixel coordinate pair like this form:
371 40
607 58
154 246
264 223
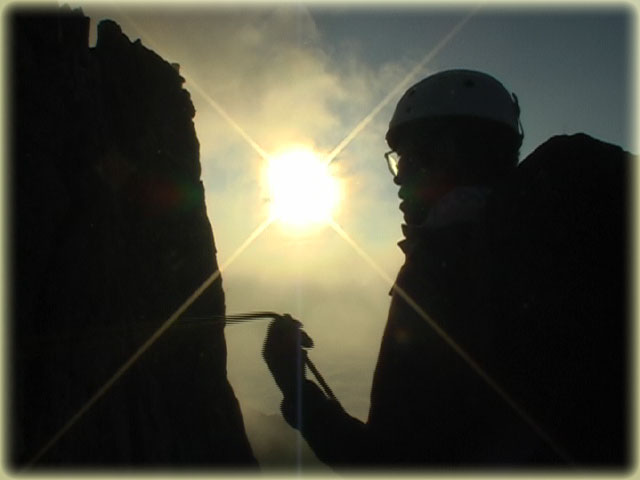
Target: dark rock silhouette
109 237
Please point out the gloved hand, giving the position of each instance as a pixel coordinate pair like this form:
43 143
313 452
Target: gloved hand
284 353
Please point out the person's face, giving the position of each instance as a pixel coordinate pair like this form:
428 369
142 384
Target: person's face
423 179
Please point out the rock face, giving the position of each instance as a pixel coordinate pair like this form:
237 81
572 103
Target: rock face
109 237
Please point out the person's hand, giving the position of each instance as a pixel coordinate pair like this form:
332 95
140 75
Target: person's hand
284 353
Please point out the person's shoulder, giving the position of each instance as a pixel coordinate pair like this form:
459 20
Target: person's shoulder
570 189
579 151
564 164
576 140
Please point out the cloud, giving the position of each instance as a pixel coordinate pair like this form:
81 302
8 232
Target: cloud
263 66
267 67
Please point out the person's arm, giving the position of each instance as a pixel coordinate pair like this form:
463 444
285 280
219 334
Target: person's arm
338 439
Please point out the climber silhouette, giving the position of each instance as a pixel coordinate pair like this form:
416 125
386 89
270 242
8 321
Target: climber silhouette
521 264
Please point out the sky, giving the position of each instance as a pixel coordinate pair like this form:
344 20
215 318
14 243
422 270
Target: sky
266 76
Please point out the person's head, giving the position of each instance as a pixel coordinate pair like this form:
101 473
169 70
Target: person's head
457 127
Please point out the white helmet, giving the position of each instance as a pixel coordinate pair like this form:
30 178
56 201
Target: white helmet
456 93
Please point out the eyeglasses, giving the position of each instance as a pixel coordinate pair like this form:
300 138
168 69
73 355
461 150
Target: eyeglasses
392 158
411 162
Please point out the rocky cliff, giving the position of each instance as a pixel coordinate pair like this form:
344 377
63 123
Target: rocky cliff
109 237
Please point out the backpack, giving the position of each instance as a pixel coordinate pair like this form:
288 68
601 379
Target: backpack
553 288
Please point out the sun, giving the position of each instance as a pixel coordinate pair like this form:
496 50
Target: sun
302 191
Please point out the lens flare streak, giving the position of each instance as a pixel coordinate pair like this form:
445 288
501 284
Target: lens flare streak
370 261
216 106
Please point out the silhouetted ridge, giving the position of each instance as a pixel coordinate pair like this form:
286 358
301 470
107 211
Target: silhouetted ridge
110 235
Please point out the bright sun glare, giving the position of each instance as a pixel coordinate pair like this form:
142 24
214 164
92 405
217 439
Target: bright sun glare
302 191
